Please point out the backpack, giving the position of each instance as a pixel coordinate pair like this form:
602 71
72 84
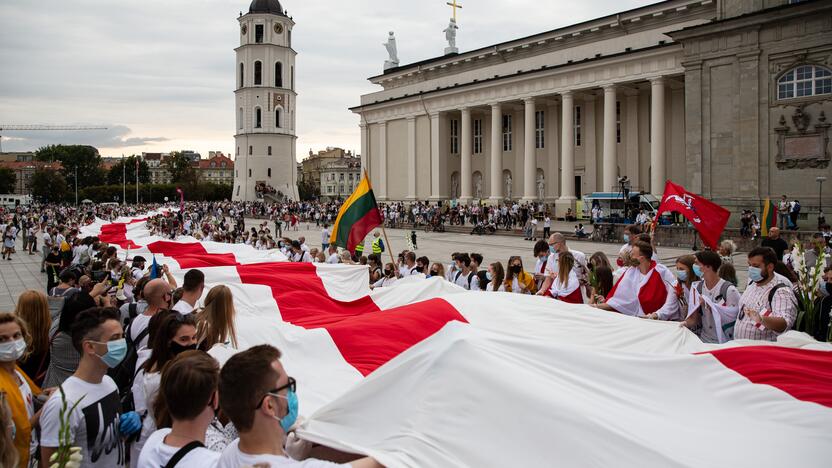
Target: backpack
470 277
124 374
796 208
723 291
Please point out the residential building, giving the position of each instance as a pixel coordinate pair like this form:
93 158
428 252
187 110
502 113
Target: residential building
339 178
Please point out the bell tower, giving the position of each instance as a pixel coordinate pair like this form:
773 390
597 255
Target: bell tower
264 105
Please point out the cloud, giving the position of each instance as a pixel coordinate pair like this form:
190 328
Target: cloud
165 67
115 136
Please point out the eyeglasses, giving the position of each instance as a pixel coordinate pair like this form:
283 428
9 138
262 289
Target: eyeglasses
292 385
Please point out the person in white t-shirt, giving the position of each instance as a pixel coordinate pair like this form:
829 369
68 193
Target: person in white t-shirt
388 277
188 399
264 411
192 288
332 252
96 424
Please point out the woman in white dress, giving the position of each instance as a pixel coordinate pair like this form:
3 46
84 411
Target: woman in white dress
495 276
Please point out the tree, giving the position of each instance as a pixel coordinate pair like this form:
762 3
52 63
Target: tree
7 180
83 158
49 186
180 169
307 190
117 174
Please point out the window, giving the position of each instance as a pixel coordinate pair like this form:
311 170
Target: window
278 75
250 152
539 130
506 132
258 118
289 37
242 76
236 173
269 170
258 33
269 151
238 190
240 118
351 176
454 136
618 121
341 176
238 151
249 172
478 136
277 118
258 73
804 81
577 126
292 77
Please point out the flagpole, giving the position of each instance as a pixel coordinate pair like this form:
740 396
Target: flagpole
123 181
383 230
137 180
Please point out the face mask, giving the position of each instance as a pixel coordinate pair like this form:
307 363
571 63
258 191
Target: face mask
12 350
552 249
116 350
697 270
488 275
177 348
516 269
682 275
419 269
387 272
434 273
292 416
626 238
755 274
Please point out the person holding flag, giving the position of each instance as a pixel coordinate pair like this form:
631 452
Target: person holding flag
708 218
357 217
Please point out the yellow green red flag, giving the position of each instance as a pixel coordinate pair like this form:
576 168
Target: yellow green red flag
358 216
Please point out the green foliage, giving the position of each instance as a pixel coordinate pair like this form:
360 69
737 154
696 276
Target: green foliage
49 186
7 180
180 169
126 169
156 193
84 158
309 191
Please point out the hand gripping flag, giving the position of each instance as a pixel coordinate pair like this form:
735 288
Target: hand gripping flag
708 218
357 217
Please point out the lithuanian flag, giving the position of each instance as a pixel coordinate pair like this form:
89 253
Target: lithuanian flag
769 218
357 217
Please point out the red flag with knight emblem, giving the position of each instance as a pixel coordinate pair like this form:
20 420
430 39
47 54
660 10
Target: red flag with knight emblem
708 218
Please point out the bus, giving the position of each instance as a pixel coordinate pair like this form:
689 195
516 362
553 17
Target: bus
615 210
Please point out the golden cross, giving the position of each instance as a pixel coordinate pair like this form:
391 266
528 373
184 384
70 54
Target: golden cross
455 6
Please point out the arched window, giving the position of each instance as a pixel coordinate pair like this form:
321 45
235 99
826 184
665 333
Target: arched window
250 150
269 152
258 73
292 71
242 76
804 81
258 118
240 121
249 172
269 172
277 117
278 75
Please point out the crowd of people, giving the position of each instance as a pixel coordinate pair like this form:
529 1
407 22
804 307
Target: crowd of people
130 350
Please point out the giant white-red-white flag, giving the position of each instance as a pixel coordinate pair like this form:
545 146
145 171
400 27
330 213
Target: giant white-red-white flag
427 374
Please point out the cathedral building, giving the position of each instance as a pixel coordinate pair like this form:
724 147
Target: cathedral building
265 99
729 98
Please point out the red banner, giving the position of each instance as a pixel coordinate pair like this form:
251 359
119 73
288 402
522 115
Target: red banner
708 218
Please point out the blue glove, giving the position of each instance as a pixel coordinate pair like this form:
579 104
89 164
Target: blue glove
129 423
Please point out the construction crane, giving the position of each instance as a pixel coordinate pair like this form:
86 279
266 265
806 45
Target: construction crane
57 128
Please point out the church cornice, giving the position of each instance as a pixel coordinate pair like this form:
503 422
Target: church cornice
244 46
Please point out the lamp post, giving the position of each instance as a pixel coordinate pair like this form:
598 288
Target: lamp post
820 180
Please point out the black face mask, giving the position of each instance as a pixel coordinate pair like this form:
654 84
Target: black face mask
516 269
388 272
420 269
434 273
829 288
177 348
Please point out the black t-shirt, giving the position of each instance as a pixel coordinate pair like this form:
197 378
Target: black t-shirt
779 246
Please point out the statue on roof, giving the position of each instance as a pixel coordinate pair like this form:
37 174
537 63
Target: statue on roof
450 36
392 51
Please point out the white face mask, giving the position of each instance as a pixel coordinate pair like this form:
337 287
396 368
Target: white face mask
12 350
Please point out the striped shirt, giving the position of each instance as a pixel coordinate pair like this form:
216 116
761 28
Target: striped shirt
783 304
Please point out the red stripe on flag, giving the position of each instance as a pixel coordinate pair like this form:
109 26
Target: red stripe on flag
191 255
366 336
362 227
116 233
802 373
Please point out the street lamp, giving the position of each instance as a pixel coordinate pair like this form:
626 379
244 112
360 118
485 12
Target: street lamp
820 180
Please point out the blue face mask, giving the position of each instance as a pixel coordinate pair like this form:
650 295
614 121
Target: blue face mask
697 270
682 275
292 416
488 276
626 238
755 274
552 249
116 350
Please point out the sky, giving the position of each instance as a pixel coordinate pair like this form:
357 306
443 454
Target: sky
159 74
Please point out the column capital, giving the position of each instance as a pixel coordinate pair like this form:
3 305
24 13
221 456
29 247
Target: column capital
464 109
567 94
382 123
529 100
434 115
609 87
410 118
659 80
363 125
496 105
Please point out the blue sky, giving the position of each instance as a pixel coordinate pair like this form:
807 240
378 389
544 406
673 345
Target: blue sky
160 73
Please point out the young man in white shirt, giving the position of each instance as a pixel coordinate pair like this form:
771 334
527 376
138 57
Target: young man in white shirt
263 411
333 254
409 267
465 276
188 389
192 289
96 424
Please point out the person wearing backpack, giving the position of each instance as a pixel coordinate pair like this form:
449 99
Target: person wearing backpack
184 407
794 211
465 276
712 325
768 307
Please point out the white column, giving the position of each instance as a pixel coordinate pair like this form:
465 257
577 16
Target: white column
434 156
610 162
411 158
529 160
657 148
496 153
365 149
465 158
630 137
567 149
382 161
553 138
